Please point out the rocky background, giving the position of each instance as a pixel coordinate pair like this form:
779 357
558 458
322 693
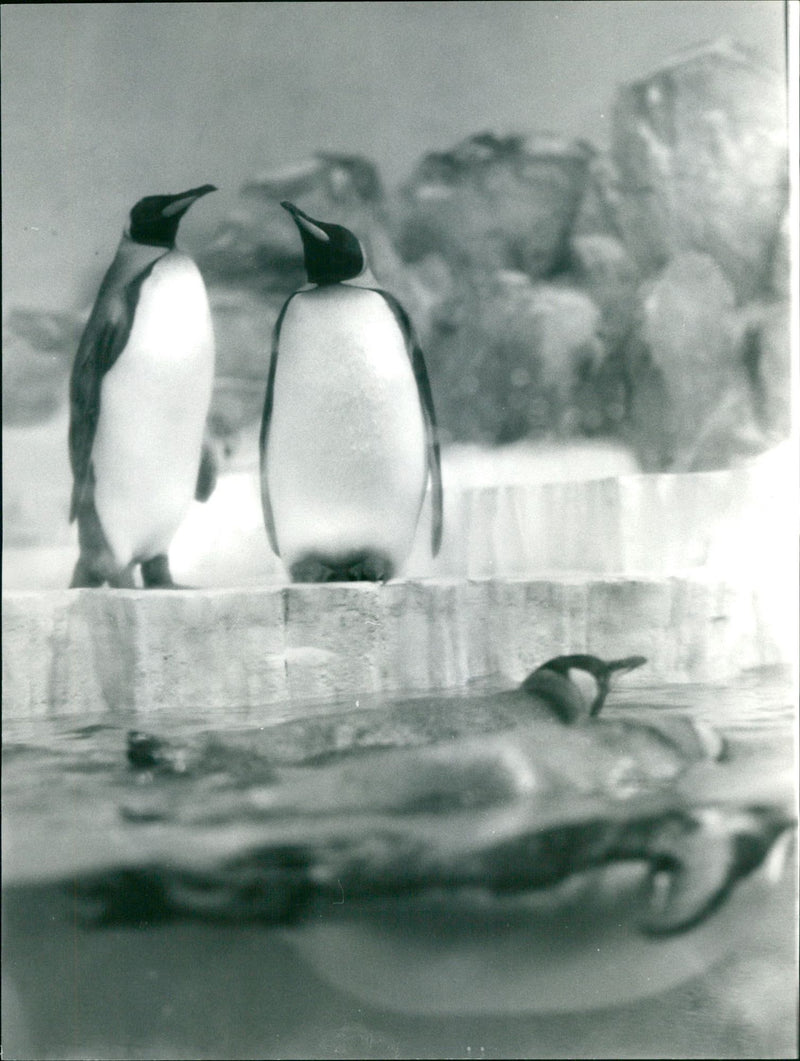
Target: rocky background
640 294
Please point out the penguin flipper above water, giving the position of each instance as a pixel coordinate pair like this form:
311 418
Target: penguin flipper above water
429 413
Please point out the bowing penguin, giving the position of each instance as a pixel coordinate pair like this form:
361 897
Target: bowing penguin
348 434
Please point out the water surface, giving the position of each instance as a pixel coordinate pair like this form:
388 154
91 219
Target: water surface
74 804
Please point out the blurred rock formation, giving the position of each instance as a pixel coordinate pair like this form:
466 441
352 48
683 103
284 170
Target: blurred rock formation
700 149
494 203
38 349
507 355
640 294
700 199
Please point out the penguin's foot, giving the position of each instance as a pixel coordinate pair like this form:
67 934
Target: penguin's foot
88 575
97 564
157 575
358 567
372 567
310 569
123 579
85 577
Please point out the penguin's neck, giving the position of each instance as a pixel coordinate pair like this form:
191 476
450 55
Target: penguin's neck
366 278
132 257
130 261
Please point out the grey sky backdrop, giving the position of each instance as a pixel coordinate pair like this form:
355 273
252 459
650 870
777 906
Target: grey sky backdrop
105 103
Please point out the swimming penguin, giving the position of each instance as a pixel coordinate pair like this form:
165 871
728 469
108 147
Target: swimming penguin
576 686
348 434
139 396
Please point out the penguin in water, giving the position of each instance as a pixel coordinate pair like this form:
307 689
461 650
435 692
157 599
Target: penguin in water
348 435
140 391
576 686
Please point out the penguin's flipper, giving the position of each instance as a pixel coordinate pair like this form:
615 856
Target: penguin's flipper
434 455
102 342
207 472
96 354
263 441
426 398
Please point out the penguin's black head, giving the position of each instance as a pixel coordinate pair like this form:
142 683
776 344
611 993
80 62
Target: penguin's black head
577 685
155 219
332 253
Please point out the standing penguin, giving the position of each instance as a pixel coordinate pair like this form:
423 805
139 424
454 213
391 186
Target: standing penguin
139 396
348 435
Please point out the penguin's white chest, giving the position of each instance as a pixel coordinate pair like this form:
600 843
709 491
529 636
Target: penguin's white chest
346 464
153 406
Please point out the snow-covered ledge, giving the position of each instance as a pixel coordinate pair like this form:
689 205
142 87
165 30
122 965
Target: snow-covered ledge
696 571
518 512
276 648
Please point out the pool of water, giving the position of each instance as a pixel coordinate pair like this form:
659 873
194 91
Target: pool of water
207 973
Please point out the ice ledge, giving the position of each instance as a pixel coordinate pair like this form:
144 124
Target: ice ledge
83 651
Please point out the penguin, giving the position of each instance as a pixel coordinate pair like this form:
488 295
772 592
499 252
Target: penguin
348 433
575 687
140 391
